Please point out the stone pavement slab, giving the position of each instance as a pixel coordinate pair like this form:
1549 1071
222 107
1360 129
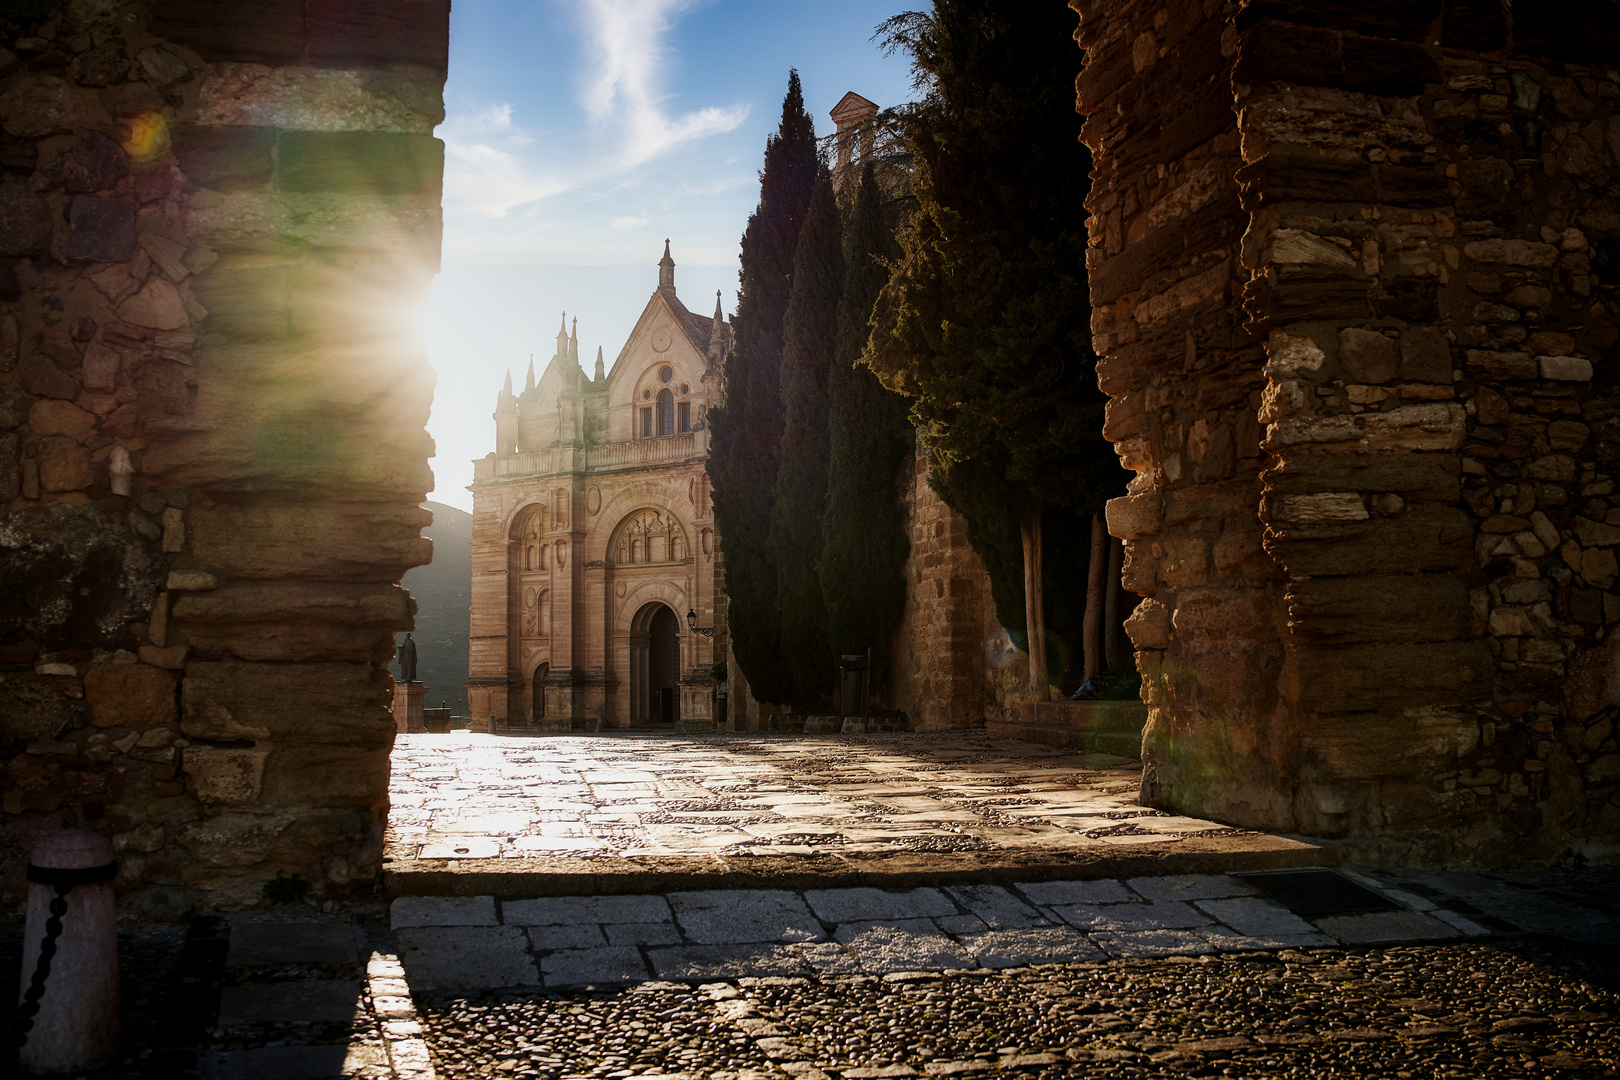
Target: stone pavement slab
745 809
906 945
454 956
274 943
718 916
305 1000
442 911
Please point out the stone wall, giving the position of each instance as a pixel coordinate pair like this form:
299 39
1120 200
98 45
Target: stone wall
1354 270
954 666
215 222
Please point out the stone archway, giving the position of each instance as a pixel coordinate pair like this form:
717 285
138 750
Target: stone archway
655 665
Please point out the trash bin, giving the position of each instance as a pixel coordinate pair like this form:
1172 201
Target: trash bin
852 685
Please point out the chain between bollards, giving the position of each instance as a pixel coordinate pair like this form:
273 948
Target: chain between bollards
63 881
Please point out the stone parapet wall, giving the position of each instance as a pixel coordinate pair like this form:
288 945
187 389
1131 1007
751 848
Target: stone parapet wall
1356 301
216 222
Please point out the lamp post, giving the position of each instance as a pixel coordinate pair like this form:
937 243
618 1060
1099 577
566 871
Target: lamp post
691 623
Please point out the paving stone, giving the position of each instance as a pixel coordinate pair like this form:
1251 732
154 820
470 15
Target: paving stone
851 905
996 906
1049 893
283 1063
1036 945
659 933
1378 927
1159 915
1151 943
460 847
1226 939
735 961
578 936
908 945
1257 917
1462 923
442 911
723 916
603 966
830 958
961 924
566 910
276 944
1191 886
314 1000
466 956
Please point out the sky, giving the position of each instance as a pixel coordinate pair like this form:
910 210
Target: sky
580 134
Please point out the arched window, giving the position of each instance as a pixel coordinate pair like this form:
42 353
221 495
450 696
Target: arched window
666 413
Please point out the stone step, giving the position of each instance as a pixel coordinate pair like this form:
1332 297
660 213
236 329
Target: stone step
1101 727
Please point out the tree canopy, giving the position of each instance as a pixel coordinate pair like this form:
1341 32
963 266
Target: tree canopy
985 320
747 428
869 441
810 333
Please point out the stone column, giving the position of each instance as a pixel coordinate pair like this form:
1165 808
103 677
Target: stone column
409 701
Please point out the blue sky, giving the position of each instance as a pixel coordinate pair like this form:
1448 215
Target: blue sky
580 134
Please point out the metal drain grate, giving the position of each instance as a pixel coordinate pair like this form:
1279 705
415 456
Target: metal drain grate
1319 892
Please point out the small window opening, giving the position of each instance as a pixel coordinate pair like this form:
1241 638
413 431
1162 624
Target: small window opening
666 413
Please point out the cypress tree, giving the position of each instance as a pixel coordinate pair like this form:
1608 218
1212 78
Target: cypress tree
869 439
747 429
810 334
985 321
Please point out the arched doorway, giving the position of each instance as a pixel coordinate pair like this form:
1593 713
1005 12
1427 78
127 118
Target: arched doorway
655 665
538 689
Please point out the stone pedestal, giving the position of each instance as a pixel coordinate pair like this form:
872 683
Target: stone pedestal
409 700
77 1026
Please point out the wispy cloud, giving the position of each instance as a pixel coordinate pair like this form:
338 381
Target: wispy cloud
495 168
628 45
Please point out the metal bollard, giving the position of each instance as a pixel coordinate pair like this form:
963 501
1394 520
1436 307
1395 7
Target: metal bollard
70 886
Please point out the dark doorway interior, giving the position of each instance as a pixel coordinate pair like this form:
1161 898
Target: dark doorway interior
663 665
539 691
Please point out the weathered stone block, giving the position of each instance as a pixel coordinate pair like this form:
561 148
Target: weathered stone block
224 777
304 703
329 541
25 222
41 376
1367 356
1425 355
267 33
130 695
1348 678
225 158
360 163
101 229
1364 608
329 775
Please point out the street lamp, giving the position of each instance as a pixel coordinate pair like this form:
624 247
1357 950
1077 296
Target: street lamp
691 623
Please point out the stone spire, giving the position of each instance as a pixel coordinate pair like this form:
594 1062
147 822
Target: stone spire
599 369
528 384
717 331
562 337
666 270
506 387
573 343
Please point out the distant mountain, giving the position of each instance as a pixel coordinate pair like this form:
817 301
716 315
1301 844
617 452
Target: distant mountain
443 592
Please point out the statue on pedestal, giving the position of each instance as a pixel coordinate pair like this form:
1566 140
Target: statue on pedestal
406 655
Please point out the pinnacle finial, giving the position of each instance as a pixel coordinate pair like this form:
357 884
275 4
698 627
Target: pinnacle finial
718 314
666 270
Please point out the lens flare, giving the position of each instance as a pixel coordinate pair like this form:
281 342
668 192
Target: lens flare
145 136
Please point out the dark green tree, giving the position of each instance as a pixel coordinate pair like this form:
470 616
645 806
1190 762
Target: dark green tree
747 429
869 441
985 322
810 335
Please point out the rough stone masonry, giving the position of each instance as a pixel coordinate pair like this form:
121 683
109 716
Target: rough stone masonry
1355 270
214 220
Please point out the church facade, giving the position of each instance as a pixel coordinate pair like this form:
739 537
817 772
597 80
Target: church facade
593 532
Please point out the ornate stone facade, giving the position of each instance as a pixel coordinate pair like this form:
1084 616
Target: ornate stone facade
593 532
